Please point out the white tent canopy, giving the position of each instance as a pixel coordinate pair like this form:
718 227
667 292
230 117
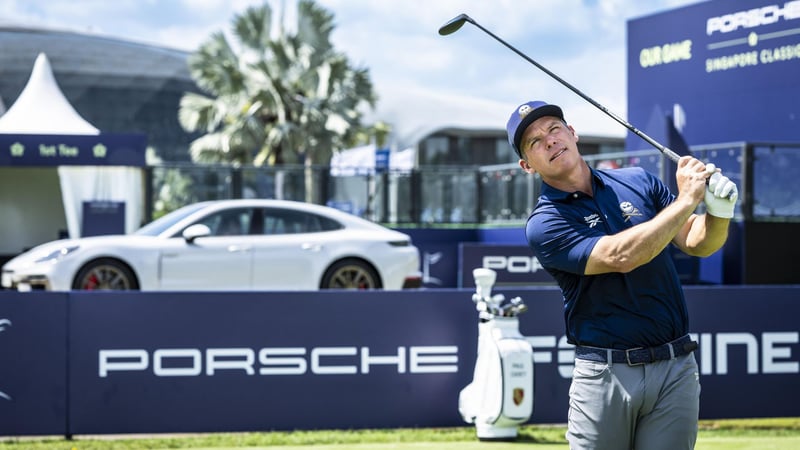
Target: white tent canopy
42 108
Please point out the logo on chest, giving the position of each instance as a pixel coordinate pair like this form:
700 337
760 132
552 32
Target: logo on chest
628 210
592 220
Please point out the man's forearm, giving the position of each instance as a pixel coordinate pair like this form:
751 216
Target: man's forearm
629 249
706 235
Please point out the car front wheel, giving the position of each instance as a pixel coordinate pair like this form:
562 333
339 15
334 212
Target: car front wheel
351 274
105 274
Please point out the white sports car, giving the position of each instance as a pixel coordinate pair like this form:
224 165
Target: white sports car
227 245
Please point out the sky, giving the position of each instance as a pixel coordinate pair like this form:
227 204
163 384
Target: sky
423 80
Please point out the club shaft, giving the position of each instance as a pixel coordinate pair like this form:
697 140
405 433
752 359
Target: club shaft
666 151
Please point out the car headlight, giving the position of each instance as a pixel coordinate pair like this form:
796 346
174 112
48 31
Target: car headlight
57 255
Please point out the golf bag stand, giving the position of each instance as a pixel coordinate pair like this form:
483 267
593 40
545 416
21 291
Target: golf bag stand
500 396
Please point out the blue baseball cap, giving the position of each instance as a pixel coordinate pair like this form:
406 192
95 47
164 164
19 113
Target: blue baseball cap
524 115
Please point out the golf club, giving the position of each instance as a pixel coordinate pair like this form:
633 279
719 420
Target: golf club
457 22
519 309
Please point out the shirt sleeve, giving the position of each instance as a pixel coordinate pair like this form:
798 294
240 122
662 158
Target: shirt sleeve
660 193
561 242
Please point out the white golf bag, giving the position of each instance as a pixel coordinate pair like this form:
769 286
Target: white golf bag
500 396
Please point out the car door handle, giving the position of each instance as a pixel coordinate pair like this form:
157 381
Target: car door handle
311 247
239 248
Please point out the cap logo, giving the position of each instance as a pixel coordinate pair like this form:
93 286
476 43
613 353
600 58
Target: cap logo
524 110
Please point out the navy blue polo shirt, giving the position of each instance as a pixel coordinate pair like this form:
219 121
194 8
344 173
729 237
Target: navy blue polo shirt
642 308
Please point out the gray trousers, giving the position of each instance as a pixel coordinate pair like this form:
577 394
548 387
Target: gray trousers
647 407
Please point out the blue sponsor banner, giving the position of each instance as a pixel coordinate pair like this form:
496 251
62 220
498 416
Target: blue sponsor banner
268 361
748 336
513 264
258 361
105 149
725 70
749 355
33 363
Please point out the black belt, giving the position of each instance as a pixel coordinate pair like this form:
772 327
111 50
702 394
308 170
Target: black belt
639 355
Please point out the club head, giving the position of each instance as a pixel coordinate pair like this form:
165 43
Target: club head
454 24
498 298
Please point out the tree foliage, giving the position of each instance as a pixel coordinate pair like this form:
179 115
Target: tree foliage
276 97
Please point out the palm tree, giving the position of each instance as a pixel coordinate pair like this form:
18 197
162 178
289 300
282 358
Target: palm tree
277 98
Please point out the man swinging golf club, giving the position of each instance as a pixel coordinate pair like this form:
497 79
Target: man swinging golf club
603 236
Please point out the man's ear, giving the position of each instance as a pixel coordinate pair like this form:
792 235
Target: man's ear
573 133
526 167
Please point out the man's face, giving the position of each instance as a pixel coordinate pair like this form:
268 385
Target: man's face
550 147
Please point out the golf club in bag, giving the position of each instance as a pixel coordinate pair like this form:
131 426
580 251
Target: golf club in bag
500 396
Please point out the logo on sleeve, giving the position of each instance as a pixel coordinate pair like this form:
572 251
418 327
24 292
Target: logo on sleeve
592 220
628 210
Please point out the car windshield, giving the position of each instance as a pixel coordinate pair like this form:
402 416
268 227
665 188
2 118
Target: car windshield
158 226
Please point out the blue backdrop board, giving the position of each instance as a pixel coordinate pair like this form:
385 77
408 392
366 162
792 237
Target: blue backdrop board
727 70
509 236
443 259
439 254
108 363
101 217
749 350
33 363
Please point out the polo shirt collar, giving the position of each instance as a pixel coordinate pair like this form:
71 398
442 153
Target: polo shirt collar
557 195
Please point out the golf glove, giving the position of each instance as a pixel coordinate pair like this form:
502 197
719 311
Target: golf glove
721 195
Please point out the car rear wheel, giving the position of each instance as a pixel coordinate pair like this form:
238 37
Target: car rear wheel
351 274
105 274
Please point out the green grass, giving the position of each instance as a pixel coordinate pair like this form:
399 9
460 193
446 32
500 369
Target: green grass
745 434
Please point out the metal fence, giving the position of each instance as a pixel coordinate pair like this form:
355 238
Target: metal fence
469 195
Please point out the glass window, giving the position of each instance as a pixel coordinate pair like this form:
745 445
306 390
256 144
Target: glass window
234 222
286 221
434 150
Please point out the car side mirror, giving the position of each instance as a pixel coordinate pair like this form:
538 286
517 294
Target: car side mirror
195 231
